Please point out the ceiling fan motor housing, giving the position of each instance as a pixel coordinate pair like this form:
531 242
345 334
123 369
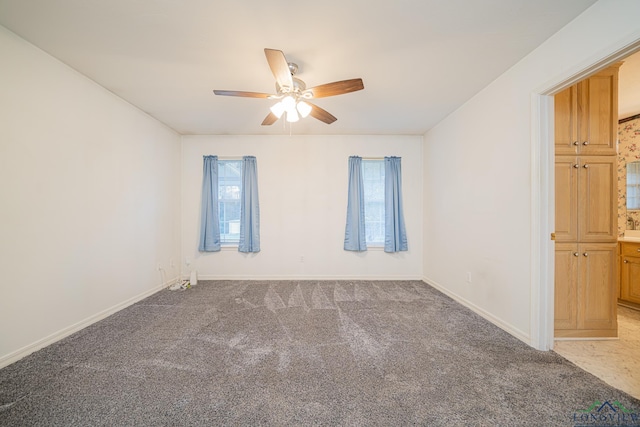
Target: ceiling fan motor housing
298 87
293 68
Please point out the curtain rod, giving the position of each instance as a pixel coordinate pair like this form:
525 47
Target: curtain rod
226 157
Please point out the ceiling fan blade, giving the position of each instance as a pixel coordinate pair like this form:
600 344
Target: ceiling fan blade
270 119
279 67
321 114
243 94
336 88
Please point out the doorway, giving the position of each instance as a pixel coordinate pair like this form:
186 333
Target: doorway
629 321
543 190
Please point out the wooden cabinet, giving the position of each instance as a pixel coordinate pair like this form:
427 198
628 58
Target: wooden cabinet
566 174
629 291
585 298
597 291
586 214
586 115
566 289
566 121
586 198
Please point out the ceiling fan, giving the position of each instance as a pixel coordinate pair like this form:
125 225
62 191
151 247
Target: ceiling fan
293 94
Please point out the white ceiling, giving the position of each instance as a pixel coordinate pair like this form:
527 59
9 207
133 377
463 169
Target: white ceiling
419 59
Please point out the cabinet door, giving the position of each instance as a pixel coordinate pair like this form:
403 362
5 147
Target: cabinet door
566 188
598 113
630 279
566 286
597 199
566 121
597 300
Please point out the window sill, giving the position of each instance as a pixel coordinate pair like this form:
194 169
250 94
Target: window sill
229 247
375 247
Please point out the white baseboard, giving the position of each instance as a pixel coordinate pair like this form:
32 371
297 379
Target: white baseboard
57 336
372 278
510 329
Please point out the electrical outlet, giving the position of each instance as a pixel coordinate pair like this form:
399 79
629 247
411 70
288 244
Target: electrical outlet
187 261
159 267
302 259
171 263
468 277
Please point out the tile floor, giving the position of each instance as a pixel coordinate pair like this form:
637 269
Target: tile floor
616 362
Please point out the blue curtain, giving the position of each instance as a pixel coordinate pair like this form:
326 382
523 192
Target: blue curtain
209 221
249 207
354 234
395 235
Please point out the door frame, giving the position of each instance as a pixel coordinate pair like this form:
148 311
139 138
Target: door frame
543 186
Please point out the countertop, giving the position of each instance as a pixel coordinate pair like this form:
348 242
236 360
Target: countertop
629 239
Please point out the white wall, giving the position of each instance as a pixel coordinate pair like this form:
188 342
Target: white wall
89 187
302 184
478 174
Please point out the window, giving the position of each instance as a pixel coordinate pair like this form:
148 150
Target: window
230 212
374 205
229 191
373 181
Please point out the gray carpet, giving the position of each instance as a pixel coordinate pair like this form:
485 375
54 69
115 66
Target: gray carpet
299 353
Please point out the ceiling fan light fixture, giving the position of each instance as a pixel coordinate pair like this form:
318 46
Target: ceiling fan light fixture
292 116
288 103
277 109
303 108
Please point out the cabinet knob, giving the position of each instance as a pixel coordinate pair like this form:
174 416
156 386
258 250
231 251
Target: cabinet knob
585 166
575 143
576 166
638 249
585 254
585 143
626 261
576 254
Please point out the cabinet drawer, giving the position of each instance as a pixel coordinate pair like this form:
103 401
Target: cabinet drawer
631 249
